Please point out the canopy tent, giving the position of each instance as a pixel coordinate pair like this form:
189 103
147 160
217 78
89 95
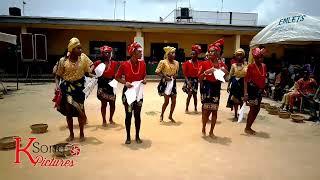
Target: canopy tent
294 29
12 39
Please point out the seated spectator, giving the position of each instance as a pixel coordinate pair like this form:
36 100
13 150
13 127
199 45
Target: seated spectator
306 87
286 97
270 82
282 84
315 107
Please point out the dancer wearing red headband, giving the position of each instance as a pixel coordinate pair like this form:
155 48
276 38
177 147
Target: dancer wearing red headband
105 92
254 87
190 70
210 90
132 70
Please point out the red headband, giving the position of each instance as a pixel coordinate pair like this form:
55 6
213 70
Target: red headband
196 48
132 47
215 47
258 53
219 42
105 49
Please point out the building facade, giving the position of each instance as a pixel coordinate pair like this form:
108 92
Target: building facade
119 34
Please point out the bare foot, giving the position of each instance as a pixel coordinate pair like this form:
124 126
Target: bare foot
138 140
82 139
128 141
104 124
204 133
172 120
161 118
250 131
196 111
186 111
112 122
235 119
70 138
211 135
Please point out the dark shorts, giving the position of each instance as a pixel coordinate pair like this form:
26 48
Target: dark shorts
194 85
162 87
125 103
254 95
105 91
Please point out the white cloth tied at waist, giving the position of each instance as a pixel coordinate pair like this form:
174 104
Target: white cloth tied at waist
134 93
114 85
169 87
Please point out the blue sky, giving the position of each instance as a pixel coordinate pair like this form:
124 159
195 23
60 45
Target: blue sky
151 10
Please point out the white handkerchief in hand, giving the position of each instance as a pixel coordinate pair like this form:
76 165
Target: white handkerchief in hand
89 85
100 69
114 84
219 75
169 87
241 113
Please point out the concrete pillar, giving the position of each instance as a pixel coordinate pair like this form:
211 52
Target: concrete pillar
139 39
237 42
23 29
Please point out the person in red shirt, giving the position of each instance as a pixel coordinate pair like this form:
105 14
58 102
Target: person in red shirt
254 85
190 70
132 70
105 92
306 87
210 88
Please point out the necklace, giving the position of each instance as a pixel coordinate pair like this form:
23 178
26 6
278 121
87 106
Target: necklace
212 64
108 65
194 65
263 73
135 73
240 68
74 63
171 67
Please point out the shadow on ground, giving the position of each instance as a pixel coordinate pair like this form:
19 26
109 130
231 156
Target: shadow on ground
146 144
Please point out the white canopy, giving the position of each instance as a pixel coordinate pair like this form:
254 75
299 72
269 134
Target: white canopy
12 39
294 29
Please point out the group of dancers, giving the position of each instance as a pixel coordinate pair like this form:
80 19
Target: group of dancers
246 84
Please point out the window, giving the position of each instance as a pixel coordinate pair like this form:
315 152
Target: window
204 48
157 51
119 49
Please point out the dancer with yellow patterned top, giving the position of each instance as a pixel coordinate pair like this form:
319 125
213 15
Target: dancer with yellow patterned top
236 82
71 70
168 70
